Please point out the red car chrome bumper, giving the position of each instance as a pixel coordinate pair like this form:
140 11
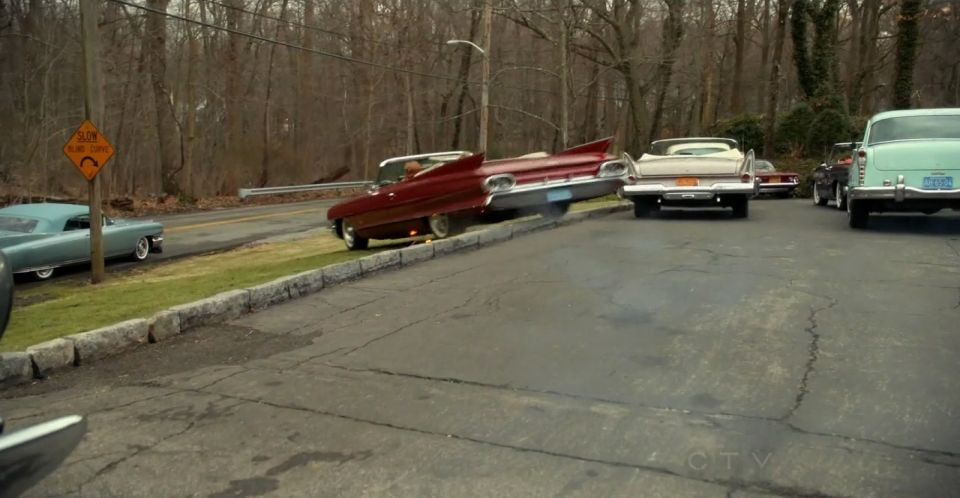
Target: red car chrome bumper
553 191
767 188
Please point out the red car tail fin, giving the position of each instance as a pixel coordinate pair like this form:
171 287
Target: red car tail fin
464 164
597 146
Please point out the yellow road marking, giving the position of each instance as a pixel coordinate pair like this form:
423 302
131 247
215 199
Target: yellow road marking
239 220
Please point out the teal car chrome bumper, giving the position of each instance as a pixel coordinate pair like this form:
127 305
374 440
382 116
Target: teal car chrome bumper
900 193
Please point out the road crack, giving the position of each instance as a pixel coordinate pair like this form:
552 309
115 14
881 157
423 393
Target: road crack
711 417
813 354
759 485
411 324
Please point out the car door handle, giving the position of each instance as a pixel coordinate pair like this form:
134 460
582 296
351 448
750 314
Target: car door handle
391 195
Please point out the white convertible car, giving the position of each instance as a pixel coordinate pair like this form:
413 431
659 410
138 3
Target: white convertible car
692 172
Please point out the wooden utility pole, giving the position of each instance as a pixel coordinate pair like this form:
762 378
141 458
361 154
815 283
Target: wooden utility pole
485 94
93 111
564 84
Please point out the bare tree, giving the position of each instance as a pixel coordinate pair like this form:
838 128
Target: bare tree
770 120
167 128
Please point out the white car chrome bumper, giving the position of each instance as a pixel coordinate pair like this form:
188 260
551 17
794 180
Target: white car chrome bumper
703 192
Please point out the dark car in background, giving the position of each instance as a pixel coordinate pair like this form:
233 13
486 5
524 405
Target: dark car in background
831 176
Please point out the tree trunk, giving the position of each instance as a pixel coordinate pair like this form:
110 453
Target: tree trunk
708 116
739 42
156 48
191 104
306 112
907 42
267 144
588 130
853 54
564 87
762 88
669 42
774 83
868 60
411 117
232 104
633 127
465 60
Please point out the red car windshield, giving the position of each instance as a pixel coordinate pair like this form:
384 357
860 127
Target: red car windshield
764 166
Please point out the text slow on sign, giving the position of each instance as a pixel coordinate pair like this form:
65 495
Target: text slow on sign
88 149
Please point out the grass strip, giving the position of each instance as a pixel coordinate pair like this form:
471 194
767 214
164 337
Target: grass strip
68 307
61 308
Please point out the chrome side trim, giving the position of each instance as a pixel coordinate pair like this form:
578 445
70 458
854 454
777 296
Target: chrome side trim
51 267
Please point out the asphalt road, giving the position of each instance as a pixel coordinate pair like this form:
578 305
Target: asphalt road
687 355
222 229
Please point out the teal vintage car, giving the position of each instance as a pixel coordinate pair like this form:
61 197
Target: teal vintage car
38 238
909 161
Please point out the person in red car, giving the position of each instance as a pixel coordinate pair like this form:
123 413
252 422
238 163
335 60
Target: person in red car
410 169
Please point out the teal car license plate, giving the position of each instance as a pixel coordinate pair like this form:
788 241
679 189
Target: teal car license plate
938 182
559 194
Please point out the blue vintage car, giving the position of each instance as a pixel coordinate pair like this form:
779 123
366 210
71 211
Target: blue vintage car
37 238
909 162
6 293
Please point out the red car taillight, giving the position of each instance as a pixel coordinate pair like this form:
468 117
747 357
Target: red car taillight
745 178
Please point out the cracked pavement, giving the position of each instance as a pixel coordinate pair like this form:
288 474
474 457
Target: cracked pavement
686 355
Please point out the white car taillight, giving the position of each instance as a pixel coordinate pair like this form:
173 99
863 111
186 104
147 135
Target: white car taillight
499 183
612 168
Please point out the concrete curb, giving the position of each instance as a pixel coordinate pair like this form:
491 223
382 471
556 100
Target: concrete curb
88 347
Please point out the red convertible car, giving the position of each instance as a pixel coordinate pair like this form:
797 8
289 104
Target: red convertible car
772 181
442 193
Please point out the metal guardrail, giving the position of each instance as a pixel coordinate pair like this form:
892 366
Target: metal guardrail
248 192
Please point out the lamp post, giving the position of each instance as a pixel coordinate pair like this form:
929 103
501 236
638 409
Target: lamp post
485 68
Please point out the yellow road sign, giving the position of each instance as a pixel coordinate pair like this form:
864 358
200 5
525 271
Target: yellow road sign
88 149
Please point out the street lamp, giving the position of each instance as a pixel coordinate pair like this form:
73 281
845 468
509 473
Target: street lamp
485 92
467 42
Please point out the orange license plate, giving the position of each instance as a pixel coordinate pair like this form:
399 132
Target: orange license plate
774 179
689 181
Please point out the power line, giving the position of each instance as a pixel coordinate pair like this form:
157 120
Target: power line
342 36
332 55
286 44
